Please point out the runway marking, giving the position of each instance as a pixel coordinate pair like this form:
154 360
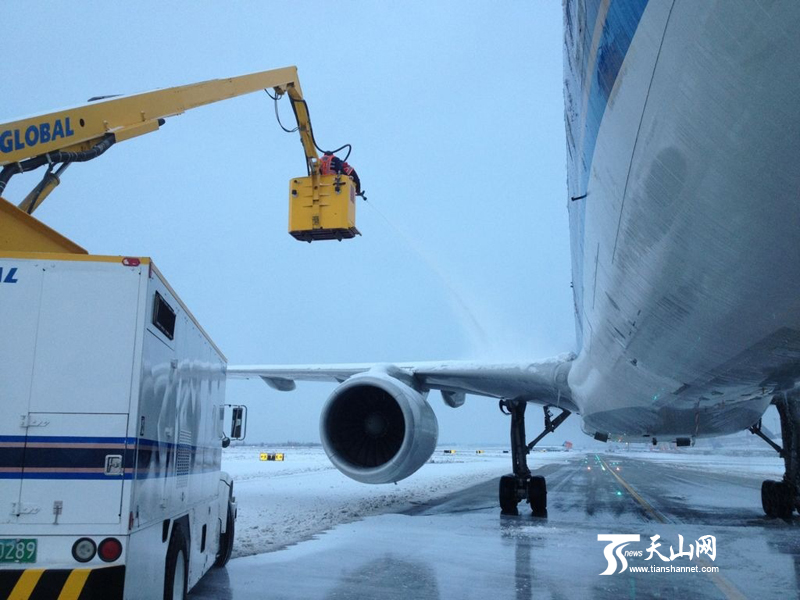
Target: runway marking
645 504
729 590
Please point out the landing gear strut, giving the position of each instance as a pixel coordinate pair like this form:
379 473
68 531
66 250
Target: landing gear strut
781 498
521 485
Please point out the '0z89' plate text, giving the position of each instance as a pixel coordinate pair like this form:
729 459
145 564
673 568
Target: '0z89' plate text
17 551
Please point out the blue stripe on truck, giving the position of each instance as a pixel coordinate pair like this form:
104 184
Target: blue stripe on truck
72 457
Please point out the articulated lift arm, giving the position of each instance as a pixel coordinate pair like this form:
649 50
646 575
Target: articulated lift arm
81 133
58 139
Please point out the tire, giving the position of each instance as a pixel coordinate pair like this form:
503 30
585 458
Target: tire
537 495
176 570
783 500
508 495
768 497
226 540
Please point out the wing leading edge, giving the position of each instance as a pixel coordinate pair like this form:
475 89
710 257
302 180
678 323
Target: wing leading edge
542 382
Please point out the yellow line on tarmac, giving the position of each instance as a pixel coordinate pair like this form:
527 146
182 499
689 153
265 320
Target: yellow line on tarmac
725 586
25 584
729 590
74 584
645 504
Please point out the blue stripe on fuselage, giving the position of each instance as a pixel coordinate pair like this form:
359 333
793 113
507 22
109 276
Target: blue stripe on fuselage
620 25
617 24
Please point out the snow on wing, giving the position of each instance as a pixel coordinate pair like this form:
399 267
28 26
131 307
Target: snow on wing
542 382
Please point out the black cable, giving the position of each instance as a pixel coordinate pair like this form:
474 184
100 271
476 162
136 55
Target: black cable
311 132
5 175
346 156
275 99
50 158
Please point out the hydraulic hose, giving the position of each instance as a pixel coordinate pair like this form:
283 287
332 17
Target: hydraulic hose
59 156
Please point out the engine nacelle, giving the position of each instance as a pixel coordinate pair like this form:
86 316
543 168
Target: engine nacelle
377 429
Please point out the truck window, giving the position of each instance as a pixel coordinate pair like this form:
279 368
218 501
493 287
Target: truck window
164 317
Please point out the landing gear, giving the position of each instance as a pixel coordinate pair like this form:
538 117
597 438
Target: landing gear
781 498
521 485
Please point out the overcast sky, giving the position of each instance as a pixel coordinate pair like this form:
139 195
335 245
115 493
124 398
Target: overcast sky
455 114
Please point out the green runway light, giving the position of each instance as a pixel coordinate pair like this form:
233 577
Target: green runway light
619 493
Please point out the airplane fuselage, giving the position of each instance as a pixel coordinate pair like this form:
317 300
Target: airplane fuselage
683 134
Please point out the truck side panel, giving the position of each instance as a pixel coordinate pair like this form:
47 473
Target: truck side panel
20 287
85 340
179 424
75 474
202 394
75 448
66 373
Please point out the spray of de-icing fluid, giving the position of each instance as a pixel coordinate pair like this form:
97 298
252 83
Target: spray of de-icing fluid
475 330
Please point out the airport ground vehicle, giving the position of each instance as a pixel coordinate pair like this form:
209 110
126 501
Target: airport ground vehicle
114 399
113 396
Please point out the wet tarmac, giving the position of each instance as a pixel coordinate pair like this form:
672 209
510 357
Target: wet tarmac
461 547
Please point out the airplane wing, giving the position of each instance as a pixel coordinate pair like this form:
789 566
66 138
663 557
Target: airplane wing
542 382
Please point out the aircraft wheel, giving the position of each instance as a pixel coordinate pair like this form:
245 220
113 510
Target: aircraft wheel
508 495
777 499
783 500
767 495
537 495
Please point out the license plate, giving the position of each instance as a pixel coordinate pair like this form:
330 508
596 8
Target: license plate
18 551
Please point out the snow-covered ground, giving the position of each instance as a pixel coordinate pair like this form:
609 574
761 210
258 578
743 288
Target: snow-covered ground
282 503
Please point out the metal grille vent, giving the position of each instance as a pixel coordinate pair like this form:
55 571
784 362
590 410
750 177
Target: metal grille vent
183 460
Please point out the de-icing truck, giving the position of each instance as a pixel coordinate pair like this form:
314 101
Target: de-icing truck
113 396
112 432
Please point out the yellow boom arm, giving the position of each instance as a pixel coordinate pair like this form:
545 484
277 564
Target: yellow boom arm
86 131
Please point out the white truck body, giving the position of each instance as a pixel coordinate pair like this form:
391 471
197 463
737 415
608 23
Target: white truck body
111 426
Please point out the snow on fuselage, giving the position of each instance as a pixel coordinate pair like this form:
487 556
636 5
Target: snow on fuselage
682 131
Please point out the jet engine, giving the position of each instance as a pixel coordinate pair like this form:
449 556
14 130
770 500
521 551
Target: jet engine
377 428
